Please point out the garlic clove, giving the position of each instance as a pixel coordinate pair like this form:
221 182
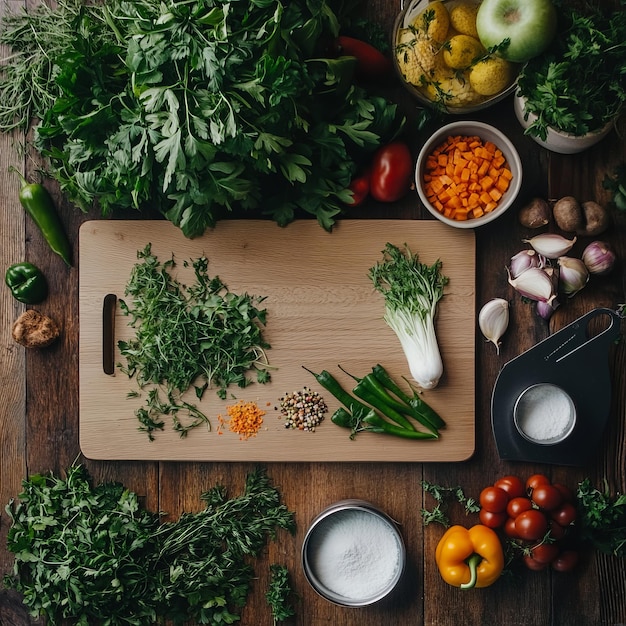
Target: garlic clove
545 310
535 284
522 261
493 320
599 258
551 245
573 275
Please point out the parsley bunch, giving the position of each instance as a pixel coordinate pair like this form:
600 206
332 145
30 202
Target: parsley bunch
92 554
579 84
200 108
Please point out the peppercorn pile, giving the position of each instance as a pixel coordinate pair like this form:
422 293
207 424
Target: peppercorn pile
303 409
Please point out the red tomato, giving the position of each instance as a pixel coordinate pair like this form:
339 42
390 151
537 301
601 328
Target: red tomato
372 64
392 172
566 492
509 528
532 564
531 525
536 480
544 552
492 519
566 561
565 514
556 530
493 499
547 497
517 506
360 188
512 485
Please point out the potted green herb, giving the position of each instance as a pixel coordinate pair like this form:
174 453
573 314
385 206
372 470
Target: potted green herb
568 97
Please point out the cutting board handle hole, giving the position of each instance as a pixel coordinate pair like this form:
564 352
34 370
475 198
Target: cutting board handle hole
108 333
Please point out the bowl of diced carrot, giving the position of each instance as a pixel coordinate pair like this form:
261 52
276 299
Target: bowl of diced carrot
468 174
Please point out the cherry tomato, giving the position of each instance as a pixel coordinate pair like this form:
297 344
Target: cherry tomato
565 561
372 64
547 497
392 172
544 552
531 525
557 531
566 492
532 564
492 519
509 528
534 481
517 506
565 514
360 188
512 485
493 499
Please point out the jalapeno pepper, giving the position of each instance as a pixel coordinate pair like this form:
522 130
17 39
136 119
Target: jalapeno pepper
26 282
469 558
38 203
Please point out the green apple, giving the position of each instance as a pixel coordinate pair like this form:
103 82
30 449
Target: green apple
529 25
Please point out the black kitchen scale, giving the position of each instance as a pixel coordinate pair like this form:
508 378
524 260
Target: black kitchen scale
578 364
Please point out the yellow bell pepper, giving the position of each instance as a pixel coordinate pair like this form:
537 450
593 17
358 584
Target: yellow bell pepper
469 558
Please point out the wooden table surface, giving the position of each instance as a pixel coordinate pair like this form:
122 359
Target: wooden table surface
39 419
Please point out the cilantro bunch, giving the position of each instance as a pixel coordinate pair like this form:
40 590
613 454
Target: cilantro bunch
579 84
200 108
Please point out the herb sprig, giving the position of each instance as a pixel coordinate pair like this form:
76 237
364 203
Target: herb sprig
579 84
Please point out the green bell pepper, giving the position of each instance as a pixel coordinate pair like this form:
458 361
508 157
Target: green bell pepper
26 282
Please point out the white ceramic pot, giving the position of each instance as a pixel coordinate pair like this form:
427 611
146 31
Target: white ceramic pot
557 141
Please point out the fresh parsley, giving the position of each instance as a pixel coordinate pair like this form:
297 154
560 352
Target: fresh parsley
444 498
579 84
278 595
201 335
91 554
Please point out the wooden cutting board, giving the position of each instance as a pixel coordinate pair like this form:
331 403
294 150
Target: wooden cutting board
322 311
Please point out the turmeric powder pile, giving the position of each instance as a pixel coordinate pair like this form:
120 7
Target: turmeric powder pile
245 419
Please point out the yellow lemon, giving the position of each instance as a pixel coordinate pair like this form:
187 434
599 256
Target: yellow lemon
461 50
434 20
463 18
490 76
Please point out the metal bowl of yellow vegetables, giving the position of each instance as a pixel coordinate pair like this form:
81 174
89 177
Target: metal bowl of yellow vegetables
440 59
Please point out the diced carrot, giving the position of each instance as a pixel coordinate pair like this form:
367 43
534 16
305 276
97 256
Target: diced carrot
465 177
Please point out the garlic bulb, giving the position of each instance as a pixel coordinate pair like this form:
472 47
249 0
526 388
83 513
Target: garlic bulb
573 275
493 320
598 257
550 245
535 284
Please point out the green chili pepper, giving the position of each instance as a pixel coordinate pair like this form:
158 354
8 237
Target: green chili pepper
422 410
38 203
377 424
26 282
364 391
331 384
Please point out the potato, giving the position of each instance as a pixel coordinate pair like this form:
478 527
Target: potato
568 214
491 76
596 219
535 214
587 219
461 50
463 18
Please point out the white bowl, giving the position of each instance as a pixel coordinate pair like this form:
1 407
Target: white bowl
412 9
486 133
557 141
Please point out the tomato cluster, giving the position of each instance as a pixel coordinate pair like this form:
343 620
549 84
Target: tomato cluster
537 515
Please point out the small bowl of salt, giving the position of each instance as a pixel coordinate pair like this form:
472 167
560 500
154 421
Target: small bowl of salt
353 554
544 414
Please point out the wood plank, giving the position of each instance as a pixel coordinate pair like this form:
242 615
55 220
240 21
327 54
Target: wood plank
322 311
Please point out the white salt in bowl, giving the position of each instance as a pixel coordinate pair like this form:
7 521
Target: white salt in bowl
353 554
544 414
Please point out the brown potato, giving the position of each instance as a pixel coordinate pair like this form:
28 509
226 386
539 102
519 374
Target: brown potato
568 214
535 214
32 329
596 219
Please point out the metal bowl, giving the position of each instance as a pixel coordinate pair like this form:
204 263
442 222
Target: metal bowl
486 133
328 540
544 414
478 103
